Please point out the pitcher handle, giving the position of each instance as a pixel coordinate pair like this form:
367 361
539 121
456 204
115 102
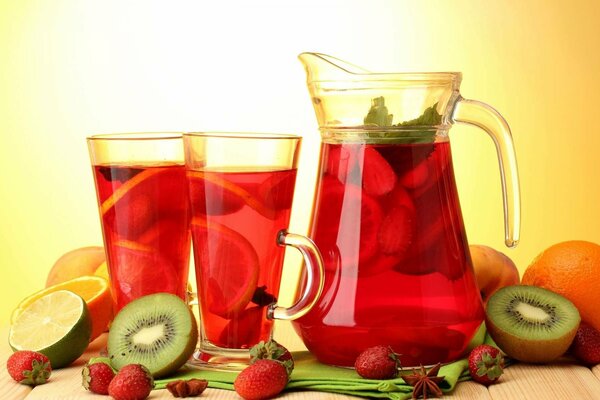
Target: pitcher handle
315 274
483 116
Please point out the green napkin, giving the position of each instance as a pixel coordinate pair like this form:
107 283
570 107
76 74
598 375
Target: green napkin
309 374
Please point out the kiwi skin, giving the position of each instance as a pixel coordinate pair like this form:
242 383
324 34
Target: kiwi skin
161 370
527 349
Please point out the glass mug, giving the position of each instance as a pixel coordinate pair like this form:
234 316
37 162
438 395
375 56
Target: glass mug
144 211
241 187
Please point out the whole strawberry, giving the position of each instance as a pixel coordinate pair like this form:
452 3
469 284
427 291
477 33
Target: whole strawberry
485 364
262 380
29 367
586 345
132 382
379 362
96 377
272 350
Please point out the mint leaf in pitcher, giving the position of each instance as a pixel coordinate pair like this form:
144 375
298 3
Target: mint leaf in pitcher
429 117
378 113
424 126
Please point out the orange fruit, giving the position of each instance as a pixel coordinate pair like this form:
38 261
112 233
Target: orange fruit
93 289
571 269
76 263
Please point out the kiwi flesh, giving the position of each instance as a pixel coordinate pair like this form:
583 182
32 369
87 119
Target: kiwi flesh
158 331
531 324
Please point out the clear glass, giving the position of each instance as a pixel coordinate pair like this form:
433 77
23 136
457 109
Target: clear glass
387 217
241 187
143 207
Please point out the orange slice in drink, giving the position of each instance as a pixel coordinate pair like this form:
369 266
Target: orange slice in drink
122 190
277 191
229 197
93 289
140 271
228 265
153 192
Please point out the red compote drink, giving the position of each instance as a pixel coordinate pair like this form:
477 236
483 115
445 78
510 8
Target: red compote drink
236 219
145 218
398 272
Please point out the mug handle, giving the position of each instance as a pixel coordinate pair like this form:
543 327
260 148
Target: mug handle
315 274
483 116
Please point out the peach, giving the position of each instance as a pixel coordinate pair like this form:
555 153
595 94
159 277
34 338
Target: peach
493 270
76 263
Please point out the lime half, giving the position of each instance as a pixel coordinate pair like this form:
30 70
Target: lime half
57 325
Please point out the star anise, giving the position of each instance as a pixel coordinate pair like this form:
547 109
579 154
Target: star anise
189 388
425 383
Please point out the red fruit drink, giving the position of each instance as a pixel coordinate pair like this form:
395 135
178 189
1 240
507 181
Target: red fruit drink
145 217
236 219
388 224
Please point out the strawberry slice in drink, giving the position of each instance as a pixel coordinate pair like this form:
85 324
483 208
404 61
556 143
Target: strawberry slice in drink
396 231
398 197
407 157
416 177
378 177
340 222
228 266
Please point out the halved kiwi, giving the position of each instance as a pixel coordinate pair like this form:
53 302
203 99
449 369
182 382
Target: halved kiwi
531 324
158 331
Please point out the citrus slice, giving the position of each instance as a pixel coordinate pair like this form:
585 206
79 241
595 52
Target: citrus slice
57 325
126 187
140 271
133 207
227 201
229 267
95 292
277 191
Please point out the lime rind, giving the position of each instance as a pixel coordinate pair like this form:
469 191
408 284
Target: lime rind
57 325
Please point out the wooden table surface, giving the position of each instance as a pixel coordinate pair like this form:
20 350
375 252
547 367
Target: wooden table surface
559 380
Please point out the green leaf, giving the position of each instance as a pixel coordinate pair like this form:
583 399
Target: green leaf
425 124
430 117
378 113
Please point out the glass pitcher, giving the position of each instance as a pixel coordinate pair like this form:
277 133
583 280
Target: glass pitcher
387 217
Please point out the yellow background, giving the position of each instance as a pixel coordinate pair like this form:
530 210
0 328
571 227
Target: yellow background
70 68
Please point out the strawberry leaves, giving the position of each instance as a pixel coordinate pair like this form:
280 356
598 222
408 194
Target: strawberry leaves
39 373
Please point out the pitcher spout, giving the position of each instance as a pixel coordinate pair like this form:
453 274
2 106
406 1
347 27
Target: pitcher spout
322 67
343 94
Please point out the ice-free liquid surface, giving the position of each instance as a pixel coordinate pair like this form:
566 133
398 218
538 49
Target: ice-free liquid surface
145 220
236 219
388 224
